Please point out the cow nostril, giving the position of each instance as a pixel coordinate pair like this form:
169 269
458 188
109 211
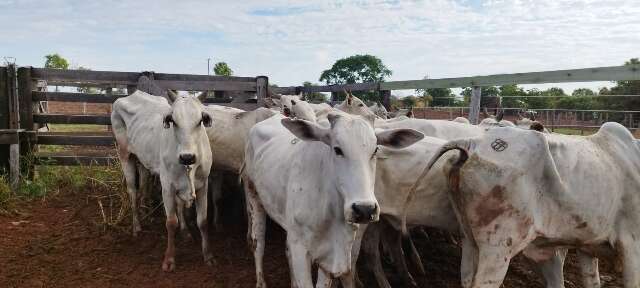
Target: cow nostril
187 159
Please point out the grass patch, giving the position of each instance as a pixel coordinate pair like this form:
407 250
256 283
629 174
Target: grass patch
6 196
573 131
77 128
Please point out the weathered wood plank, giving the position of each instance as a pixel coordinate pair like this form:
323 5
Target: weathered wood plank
191 77
76 160
24 98
76 140
341 88
206 85
9 138
285 90
13 97
61 76
262 89
613 73
14 167
74 97
243 106
5 117
72 119
474 105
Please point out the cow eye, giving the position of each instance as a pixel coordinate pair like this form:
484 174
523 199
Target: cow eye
361 105
338 151
374 153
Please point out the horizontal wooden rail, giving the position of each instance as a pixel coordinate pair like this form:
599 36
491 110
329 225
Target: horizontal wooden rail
74 97
611 73
76 140
72 119
76 160
206 85
59 75
191 77
285 90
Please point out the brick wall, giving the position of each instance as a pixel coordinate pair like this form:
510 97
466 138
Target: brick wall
76 108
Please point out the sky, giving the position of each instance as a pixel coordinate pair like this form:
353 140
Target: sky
294 41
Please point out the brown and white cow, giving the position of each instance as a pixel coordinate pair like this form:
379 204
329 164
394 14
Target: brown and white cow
513 188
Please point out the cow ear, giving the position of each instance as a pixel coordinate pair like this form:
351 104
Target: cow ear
398 138
172 95
167 120
202 96
206 119
306 130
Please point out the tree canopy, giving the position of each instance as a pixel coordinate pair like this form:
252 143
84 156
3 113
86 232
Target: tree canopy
55 61
222 69
355 69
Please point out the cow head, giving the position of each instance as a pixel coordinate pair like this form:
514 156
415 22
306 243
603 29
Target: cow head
351 149
292 106
379 110
187 118
353 105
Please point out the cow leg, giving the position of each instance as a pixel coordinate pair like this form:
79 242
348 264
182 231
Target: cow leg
493 263
552 267
468 264
215 188
630 258
348 280
324 280
589 270
394 238
371 248
300 264
355 253
168 197
181 218
414 256
257 228
129 168
145 182
201 218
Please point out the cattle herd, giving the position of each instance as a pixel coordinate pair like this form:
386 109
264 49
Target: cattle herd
345 179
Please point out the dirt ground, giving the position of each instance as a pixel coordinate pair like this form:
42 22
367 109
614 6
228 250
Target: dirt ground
61 242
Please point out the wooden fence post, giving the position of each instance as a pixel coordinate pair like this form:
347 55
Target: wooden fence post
385 95
4 115
25 107
262 88
474 105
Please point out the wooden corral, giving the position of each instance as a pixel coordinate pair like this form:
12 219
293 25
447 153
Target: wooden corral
24 89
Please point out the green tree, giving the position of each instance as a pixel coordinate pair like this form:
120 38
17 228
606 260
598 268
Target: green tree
222 69
622 88
488 96
409 101
512 90
315 97
354 69
55 61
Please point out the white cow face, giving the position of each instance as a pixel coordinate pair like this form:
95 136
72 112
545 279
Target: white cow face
379 110
353 105
187 119
351 149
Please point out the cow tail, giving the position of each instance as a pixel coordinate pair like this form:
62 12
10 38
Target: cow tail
462 146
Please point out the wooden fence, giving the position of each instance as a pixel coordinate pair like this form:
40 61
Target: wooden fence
23 89
613 73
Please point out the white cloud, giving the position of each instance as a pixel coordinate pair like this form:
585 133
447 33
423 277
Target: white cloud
293 41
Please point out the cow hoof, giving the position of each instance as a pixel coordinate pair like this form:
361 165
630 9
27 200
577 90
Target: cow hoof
169 265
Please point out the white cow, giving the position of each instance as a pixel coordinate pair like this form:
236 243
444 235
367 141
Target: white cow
461 120
317 183
292 106
227 137
515 187
169 140
379 110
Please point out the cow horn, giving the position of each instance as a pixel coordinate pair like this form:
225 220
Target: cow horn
500 115
202 96
172 95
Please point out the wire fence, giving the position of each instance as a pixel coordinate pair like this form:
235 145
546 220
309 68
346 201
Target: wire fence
572 121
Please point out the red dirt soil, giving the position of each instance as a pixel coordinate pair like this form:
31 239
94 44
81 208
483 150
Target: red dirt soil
61 242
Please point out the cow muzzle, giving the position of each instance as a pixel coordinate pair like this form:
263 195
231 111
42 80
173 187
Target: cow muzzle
187 159
364 212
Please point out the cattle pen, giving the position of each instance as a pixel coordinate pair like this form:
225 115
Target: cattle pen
23 90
